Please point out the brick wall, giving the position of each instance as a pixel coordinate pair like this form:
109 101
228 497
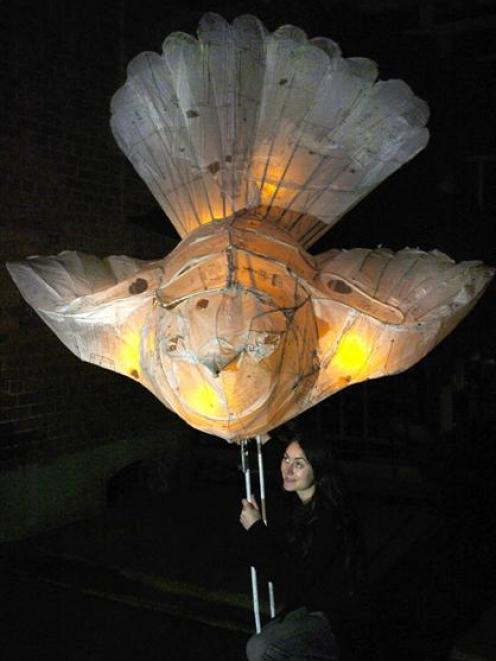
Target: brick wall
65 186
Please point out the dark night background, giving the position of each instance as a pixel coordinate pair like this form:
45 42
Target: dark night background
78 442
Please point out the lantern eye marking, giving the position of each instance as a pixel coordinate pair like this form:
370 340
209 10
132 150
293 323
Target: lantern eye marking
339 286
138 286
214 167
172 343
202 303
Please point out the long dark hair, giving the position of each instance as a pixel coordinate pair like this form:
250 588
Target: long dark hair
331 499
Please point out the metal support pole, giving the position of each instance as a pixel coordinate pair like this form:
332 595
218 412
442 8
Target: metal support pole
263 506
245 463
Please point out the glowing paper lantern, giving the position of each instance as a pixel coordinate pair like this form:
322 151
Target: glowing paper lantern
254 145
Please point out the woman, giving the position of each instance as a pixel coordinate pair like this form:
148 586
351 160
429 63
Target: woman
315 567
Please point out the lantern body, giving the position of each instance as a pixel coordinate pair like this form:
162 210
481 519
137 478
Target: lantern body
239 329
235 340
255 144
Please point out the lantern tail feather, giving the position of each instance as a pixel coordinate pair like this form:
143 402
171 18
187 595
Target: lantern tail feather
400 306
243 119
96 307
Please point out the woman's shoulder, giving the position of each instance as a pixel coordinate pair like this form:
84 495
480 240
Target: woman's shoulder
324 526
326 514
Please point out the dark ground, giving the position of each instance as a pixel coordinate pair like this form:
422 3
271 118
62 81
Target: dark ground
45 621
151 578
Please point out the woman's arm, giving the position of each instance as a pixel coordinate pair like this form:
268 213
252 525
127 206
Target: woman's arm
258 544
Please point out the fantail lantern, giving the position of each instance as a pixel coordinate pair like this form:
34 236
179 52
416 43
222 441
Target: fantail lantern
255 144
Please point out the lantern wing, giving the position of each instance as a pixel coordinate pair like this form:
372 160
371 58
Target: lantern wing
96 307
379 312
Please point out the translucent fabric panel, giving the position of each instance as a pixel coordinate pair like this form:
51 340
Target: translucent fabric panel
241 118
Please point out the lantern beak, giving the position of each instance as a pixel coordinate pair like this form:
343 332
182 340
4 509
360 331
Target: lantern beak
218 361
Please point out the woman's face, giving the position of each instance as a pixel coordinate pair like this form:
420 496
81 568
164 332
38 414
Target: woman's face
297 473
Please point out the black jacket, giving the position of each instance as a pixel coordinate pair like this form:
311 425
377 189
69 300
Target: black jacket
318 577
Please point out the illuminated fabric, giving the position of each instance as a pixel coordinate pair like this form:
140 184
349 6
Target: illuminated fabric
254 145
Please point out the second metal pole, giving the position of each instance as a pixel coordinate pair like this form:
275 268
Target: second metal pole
245 463
263 506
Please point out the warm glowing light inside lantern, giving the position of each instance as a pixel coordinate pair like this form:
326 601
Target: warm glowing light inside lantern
268 189
204 400
150 342
205 218
276 194
129 354
352 353
218 209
